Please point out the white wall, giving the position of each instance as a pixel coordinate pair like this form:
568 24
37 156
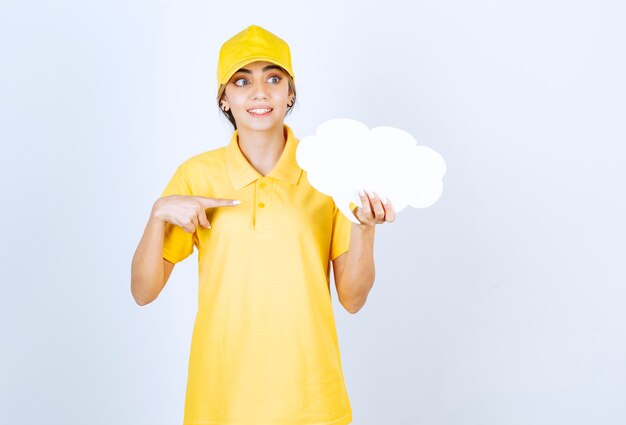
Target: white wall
501 304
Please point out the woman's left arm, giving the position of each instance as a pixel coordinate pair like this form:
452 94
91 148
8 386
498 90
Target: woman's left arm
354 270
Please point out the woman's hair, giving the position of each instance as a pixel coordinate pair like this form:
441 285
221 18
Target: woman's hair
229 114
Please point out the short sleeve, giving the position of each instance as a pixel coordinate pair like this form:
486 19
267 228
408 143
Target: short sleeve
340 240
177 243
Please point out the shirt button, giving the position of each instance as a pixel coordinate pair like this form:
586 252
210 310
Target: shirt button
261 205
262 185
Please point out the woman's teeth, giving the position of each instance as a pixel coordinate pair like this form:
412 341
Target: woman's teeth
259 111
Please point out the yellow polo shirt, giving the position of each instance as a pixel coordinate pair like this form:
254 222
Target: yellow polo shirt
264 349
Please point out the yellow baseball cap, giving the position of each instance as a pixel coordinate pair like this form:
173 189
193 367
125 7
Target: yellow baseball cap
250 45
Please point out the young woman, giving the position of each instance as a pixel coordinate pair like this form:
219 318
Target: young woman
264 348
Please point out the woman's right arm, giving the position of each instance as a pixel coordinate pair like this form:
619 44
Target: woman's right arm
149 270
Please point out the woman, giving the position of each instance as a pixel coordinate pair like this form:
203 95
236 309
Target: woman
264 347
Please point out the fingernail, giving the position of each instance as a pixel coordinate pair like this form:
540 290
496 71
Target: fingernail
384 199
371 194
361 192
236 202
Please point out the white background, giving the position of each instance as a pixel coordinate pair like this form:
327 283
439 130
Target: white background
503 303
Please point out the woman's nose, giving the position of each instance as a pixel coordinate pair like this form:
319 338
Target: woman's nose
260 92
260 95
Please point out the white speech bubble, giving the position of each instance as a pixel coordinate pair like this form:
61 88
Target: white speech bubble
345 156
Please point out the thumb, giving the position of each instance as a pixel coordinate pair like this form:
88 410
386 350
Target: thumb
216 202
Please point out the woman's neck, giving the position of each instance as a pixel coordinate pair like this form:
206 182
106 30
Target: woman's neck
262 149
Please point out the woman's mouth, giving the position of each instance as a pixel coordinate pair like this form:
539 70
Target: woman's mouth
259 113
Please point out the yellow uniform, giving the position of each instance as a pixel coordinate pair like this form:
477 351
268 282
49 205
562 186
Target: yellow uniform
264 349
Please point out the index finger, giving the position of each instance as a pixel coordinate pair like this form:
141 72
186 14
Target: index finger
216 202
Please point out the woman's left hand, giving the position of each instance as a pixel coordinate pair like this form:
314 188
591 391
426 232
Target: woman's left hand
372 210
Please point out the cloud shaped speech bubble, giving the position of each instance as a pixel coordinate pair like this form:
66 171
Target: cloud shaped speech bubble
345 156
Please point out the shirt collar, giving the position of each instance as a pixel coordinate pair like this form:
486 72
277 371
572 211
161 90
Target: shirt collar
241 173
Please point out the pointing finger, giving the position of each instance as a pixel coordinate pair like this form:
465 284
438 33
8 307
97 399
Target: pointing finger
216 202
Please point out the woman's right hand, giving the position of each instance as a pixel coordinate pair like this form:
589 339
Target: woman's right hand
187 212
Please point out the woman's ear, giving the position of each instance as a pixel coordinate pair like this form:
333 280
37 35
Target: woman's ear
224 105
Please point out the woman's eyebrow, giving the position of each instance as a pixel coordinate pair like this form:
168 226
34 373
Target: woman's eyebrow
267 68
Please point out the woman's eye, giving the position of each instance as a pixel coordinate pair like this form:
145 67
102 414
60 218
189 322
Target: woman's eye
243 82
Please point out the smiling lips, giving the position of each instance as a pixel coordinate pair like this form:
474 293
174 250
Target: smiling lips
260 112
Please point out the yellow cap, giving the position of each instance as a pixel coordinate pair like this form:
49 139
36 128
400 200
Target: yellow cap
250 45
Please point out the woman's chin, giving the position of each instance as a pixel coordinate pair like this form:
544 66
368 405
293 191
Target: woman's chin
260 125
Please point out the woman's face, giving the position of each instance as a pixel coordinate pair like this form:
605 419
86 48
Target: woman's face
254 89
